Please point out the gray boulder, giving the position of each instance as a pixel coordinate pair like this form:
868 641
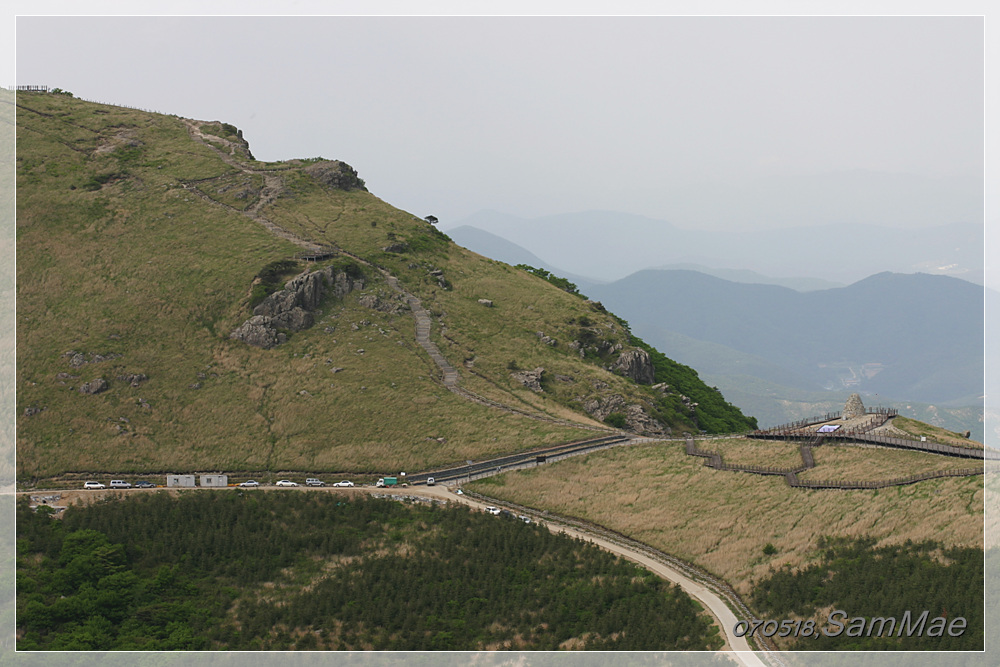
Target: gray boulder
635 364
530 379
259 332
94 386
134 379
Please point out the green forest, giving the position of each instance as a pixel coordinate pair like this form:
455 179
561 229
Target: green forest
258 570
869 582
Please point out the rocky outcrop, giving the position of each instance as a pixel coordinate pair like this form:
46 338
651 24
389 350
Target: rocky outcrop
290 309
688 403
548 340
398 246
636 419
77 359
259 331
530 379
336 174
94 386
134 379
486 302
392 305
635 364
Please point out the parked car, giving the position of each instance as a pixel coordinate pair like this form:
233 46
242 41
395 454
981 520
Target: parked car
143 484
249 482
430 481
495 511
93 485
120 484
344 483
285 482
312 481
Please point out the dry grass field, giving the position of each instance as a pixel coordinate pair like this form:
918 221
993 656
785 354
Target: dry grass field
722 521
748 451
919 429
856 463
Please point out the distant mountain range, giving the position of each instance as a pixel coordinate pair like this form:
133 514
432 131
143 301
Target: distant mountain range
775 352
608 245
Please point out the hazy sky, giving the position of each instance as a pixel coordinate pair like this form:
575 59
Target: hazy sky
710 122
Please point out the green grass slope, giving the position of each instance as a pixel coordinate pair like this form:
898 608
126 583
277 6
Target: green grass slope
138 253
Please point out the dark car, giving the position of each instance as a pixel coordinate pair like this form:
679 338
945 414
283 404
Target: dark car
143 484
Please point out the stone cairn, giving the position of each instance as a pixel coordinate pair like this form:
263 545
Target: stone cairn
854 407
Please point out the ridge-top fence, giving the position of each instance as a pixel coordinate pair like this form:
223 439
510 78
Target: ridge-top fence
876 417
46 89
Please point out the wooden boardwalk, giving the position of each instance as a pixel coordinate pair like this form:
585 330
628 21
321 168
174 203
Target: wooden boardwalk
791 475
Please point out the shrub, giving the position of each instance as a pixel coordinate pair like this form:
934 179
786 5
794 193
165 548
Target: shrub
615 419
561 283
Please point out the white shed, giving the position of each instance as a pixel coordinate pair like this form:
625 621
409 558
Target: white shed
214 480
180 480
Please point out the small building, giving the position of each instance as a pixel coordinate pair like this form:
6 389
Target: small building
214 480
180 481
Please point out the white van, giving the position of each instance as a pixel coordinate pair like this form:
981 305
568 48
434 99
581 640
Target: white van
120 484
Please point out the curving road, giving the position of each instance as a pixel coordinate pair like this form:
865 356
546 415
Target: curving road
738 648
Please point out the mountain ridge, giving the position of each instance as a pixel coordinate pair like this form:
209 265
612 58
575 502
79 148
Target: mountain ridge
144 240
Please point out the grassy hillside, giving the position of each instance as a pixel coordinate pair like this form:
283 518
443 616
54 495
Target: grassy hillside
141 242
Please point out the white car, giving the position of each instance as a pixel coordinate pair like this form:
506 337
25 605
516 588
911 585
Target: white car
344 483
93 485
285 482
249 482
495 511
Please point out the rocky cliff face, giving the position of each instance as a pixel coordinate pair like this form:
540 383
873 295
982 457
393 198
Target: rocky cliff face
290 309
635 364
636 418
336 174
